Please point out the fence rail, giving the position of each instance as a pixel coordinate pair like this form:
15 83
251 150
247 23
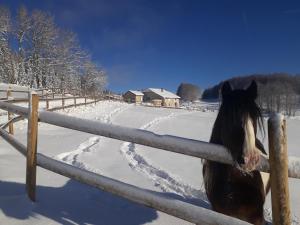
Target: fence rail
148 198
180 145
175 144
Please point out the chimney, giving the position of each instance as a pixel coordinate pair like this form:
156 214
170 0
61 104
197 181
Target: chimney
162 90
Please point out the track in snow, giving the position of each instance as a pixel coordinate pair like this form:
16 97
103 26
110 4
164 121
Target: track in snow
83 148
161 178
88 146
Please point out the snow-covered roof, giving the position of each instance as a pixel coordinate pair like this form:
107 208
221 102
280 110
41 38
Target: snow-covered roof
136 92
162 92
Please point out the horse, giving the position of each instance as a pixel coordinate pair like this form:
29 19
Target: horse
237 190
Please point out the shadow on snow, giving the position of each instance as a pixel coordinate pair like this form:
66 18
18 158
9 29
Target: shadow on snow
77 203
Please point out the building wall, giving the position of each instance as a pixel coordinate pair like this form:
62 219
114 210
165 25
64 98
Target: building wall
149 96
138 98
130 97
157 102
154 99
171 102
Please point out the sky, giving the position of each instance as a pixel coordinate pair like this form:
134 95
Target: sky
161 43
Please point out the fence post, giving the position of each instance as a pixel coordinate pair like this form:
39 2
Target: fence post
75 101
32 145
279 170
9 114
63 100
47 102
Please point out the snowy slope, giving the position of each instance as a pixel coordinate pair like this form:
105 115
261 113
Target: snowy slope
61 201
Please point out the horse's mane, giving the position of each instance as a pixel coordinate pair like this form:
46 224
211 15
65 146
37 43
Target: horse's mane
230 188
252 109
236 107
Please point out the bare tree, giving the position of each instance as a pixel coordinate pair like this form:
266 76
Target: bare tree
94 78
21 31
41 37
278 92
188 92
69 61
45 56
7 58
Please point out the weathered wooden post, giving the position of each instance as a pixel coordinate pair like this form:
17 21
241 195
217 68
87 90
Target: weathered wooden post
63 100
9 114
52 92
279 170
32 145
47 102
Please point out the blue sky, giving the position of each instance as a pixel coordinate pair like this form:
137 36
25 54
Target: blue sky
161 43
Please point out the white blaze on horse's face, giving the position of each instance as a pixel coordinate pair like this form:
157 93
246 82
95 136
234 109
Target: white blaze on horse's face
250 151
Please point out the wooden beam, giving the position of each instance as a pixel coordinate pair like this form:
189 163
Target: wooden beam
14 108
180 145
174 207
47 102
156 200
279 170
63 100
9 114
32 145
13 141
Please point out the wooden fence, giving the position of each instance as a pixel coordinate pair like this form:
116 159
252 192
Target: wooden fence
50 95
195 148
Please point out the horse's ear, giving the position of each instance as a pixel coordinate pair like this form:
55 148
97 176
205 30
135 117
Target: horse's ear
226 89
252 90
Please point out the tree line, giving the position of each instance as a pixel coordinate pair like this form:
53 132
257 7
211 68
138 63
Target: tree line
35 52
188 92
277 92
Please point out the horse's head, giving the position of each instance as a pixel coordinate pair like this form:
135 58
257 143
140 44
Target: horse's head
238 119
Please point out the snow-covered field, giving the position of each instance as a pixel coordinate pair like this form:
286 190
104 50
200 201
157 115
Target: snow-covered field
63 201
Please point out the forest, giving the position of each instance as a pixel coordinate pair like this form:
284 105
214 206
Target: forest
277 92
36 52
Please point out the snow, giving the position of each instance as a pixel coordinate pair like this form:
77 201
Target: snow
4 87
136 92
164 203
162 92
64 201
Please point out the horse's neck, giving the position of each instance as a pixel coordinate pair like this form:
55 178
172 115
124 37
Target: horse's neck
216 132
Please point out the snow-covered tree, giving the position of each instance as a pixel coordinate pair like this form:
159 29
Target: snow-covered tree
41 40
69 60
7 58
22 29
93 79
34 51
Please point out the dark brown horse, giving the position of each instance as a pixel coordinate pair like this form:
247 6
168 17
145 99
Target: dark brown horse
237 190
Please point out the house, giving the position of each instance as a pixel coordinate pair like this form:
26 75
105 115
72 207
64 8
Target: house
161 97
133 96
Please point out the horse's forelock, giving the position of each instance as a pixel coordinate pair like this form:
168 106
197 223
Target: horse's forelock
233 118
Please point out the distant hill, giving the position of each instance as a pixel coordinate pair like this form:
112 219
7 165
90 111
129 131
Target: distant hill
277 91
